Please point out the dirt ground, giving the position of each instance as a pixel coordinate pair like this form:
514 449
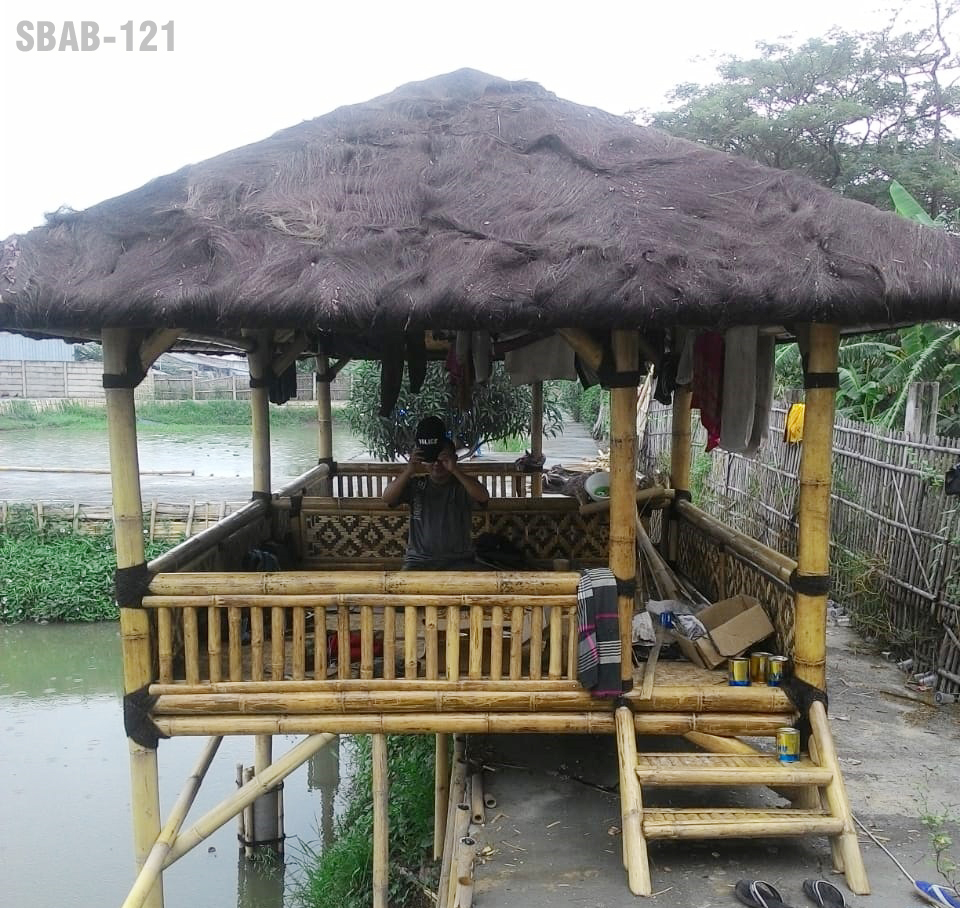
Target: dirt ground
554 840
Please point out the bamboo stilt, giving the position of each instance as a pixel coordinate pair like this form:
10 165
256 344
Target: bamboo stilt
381 823
153 866
134 622
631 807
460 829
458 776
536 435
813 534
623 488
275 773
441 792
836 797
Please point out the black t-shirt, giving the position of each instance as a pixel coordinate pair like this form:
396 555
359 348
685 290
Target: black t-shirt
441 527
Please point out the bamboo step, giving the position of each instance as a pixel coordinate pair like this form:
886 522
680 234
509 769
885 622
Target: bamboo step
731 823
727 769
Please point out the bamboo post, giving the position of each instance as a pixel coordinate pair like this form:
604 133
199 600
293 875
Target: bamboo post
536 436
460 829
134 622
381 823
266 810
324 420
623 489
154 864
836 797
466 855
679 460
631 807
458 777
813 533
441 792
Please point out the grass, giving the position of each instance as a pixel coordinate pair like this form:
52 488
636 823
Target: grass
56 574
72 415
343 874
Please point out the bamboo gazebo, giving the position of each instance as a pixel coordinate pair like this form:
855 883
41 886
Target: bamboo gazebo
466 203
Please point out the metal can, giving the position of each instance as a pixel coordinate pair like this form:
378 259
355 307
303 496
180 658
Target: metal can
758 667
738 672
788 745
776 670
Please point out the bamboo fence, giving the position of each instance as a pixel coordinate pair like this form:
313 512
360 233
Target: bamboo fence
895 535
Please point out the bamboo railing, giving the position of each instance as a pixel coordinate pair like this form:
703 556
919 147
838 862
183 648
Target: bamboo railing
368 480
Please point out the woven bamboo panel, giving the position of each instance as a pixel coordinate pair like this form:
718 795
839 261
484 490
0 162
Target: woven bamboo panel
380 535
742 577
699 558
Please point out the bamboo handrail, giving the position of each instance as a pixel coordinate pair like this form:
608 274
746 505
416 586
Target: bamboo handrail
190 548
547 685
644 496
307 583
314 474
260 784
362 601
770 560
348 504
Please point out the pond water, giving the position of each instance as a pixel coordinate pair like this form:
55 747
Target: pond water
220 458
65 822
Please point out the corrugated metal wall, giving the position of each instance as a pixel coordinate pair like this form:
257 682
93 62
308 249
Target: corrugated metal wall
17 347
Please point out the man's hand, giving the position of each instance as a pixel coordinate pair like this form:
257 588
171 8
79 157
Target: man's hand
447 459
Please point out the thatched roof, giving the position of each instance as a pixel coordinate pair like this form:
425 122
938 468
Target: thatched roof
470 201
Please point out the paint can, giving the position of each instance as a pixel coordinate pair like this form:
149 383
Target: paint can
776 670
788 744
758 667
738 672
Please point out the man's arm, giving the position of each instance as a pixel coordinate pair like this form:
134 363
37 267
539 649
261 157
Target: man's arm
395 488
475 489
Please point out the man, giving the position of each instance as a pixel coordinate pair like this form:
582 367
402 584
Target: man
441 497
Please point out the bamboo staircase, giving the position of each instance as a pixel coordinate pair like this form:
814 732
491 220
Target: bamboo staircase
814 785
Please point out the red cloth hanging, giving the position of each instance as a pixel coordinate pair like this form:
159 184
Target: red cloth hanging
707 385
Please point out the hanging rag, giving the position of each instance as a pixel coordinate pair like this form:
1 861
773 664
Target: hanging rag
764 402
416 360
739 389
793 427
391 378
707 383
598 630
542 360
481 348
685 339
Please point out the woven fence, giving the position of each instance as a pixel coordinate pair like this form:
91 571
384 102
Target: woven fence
895 534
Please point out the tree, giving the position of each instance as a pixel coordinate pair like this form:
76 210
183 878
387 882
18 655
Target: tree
498 411
852 111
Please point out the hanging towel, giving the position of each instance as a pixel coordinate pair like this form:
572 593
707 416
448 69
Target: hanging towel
480 347
793 427
598 627
739 389
540 361
708 383
685 363
764 401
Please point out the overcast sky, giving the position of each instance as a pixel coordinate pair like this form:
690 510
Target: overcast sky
80 127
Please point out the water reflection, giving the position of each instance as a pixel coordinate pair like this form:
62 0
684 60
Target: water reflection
64 777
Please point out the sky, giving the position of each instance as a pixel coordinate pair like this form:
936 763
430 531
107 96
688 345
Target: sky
78 127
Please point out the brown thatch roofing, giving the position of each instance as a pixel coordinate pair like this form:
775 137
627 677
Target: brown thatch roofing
470 201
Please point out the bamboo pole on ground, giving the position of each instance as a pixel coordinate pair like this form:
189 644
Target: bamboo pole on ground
381 823
266 810
836 797
466 855
631 807
458 778
461 826
813 533
623 490
679 459
536 436
477 808
441 791
210 822
134 622
154 864
324 421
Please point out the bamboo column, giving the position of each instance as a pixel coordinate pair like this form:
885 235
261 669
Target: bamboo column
813 533
266 810
324 421
536 435
623 489
441 792
134 622
679 460
381 823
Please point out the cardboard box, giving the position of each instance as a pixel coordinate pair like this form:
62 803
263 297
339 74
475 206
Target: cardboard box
733 625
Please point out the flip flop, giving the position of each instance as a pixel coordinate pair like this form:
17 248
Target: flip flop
825 894
936 894
758 894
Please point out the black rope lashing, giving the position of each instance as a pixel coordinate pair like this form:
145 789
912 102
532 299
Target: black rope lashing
814 380
114 381
261 496
327 376
682 495
810 584
803 695
137 721
331 463
624 701
627 587
613 380
263 382
131 584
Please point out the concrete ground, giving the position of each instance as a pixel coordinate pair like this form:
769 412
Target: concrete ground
554 837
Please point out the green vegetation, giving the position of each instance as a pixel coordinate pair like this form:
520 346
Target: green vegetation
343 874
498 410
56 574
583 404
72 415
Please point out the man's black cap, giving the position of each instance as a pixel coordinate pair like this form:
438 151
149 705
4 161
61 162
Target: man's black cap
429 435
